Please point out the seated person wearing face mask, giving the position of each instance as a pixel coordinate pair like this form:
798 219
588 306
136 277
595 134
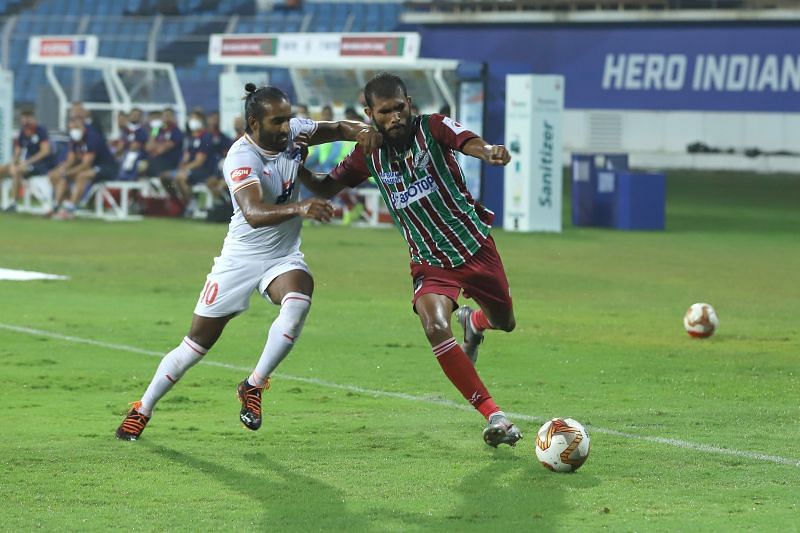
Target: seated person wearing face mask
165 144
198 163
88 160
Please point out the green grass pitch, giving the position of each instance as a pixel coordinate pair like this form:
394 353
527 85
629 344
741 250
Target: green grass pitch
363 432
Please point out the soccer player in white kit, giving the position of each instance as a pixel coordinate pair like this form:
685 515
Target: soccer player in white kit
261 251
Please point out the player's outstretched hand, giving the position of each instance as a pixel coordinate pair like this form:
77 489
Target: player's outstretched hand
369 139
302 140
496 154
316 209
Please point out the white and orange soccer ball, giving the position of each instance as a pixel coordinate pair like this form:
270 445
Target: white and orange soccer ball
701 320
562 445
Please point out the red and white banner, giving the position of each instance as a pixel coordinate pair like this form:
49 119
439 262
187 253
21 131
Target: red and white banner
44 49
297 49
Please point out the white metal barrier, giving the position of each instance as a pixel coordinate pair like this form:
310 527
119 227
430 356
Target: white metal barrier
6 196
373 205
38 196
107 207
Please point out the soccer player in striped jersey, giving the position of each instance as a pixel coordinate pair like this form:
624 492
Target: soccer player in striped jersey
447 232
261 252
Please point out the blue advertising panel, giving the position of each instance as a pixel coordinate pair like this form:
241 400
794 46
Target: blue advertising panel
735 67
714 68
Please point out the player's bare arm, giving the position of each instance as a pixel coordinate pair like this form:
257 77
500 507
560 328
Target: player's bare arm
259 213
321 185
494 154
346 130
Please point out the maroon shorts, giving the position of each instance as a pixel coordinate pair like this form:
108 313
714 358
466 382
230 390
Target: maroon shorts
482 278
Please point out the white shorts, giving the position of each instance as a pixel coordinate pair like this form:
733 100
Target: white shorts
232 280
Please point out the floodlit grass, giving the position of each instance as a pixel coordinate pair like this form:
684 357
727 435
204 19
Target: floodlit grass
599 338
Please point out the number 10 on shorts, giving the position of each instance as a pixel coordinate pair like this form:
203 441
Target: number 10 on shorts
210 292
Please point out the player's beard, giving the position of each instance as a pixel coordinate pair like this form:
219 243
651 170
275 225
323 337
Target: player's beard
274 142
399 137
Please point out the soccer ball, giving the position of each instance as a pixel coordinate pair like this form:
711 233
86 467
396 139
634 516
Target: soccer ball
701 320
562 445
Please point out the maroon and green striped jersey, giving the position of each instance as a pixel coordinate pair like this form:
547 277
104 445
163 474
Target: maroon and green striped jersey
425 192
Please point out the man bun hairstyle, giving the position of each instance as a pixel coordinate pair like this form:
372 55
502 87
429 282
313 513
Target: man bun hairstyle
383 85
256 100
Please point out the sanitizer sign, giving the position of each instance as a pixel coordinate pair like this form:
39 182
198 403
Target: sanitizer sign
533 195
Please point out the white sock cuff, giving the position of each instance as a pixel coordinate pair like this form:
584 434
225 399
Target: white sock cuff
444 346
194 346
296 296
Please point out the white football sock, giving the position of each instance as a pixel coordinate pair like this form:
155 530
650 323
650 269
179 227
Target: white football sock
282 334
173 366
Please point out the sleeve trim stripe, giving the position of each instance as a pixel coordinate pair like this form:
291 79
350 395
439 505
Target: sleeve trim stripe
246 184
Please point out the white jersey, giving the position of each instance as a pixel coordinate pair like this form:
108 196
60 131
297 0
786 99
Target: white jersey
247 165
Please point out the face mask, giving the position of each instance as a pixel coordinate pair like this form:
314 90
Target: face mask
156 123
133 125
76 134
195 124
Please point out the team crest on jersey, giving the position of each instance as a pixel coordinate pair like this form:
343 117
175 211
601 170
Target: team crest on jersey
422 159
240 173
415 192
390 178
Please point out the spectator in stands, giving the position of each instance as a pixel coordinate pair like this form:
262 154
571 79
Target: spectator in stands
288 5
164 147
131 143
88 160
301 110
324 157
117 144
220 143
238 126
350 113
33 155
198 163
77 110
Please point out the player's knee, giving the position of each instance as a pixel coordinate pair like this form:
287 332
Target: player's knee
434 328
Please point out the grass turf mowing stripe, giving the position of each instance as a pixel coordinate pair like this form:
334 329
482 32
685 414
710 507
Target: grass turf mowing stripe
424 399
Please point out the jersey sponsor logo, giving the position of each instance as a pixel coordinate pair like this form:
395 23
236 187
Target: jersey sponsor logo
390 178
240 173
453 125
416 191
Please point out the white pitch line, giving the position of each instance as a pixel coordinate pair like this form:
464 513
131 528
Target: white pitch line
677 443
